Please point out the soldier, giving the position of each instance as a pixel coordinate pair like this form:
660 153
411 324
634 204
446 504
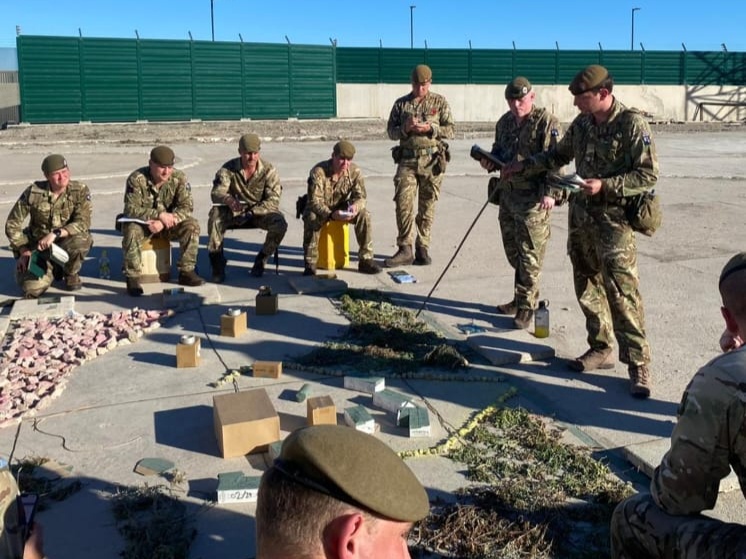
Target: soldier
420 121
708 440
525 201
313 505
17 541
59 212
160 196
247 190
615 154
336 192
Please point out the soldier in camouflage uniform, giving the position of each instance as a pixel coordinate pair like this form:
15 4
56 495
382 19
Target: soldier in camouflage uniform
161 196
615 155
525 201
336 192
420 120
59 212
16 540
709 439
248 189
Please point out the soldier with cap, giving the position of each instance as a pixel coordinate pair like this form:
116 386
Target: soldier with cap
615 154
315 505
59 213
161 196
336 192
709 439
525 201
420 121
246 193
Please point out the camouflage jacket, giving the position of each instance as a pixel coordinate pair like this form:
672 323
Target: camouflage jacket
539 131
261 192
709 438
433 108
326 196
620 151
71 211
142 200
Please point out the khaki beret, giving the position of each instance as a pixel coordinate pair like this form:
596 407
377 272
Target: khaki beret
53 163
518 88
355 468
588 78
250 143
735 264
162 155
422 73
344 149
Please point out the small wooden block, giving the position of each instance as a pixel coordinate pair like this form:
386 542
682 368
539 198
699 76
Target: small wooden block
321 411
233 325
235 487
267 304
360 419
187 355
267 369
153 466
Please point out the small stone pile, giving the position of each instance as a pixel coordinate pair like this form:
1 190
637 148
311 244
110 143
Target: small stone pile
39 354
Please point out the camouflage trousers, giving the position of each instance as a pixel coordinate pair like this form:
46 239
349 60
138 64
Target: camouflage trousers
186 232
312 227
415 178
11 534
221 219
603 252
77 248
525 232
641 530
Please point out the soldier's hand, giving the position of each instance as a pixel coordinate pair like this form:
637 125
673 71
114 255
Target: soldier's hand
730 341
233 204
547 203
155 226
592 187
512 168
168 219
46 241
487 164
22 262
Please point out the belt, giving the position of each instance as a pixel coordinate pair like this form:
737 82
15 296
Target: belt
412 153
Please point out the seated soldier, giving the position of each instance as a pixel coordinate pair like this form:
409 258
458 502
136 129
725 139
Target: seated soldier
247 190
336 192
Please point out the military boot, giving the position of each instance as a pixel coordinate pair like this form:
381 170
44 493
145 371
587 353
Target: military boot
421 257
309 270
523 318
639 381
134 289
190 278
73 282
217 262
403 257
594 359
368 266
258 269
507 308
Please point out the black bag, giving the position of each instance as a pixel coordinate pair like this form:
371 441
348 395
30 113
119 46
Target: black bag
300 205
493 191
396 154
644 213
117 223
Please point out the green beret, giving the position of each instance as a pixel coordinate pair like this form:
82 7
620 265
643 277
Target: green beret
53 163
518 88
588 78
735 264
344 149
162 155
355 468
422 73
250 143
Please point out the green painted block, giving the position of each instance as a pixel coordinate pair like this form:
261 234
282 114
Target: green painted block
235 487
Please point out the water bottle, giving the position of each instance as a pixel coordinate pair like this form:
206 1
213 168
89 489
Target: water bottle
104 270
541 320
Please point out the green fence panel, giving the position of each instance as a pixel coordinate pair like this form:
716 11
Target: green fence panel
217 80
166 80
448 65
266 81
358 65
312 82
110 75
490 66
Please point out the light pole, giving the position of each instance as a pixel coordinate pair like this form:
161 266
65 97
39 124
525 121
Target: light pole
212 18
411 26
632 43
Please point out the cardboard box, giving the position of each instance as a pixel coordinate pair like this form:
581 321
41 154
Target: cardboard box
267 303
369 385
267 369
156 260
360 419
321 411
188 355
233 325
245 422
235 487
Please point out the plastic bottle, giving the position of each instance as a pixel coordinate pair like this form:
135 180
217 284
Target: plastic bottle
104 269
541 320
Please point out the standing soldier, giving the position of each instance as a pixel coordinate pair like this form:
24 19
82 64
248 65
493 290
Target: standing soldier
247 192
59 212
615 155
336 192
525 201
420 121
160 196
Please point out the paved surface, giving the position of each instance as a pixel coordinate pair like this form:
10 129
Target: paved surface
133 402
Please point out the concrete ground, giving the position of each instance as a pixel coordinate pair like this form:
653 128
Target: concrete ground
133 402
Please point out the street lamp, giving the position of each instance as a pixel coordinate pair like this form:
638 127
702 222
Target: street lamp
212 18
411 26
632 43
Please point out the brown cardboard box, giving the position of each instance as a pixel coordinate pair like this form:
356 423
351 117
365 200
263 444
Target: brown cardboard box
187 355
245 422
233 325
156 260
266 304
267 369
321 410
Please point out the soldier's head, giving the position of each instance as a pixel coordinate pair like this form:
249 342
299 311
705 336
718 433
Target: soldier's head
342 155
335 492
249 146
161 164
591 88
422 77
520 97
56 171
732 287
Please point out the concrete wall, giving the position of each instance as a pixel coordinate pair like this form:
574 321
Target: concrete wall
477 103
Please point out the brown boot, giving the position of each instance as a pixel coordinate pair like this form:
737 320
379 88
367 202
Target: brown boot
421 257
507 308
258 269
73 282
403 257
593 359
217 262
368 266
523 318
639 381
309 270
134 289
190 278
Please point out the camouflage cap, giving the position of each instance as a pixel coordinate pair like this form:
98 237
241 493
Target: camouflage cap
588 78
162 155
53 163
518 88
735 264
250 143
344 148
422 74
355 468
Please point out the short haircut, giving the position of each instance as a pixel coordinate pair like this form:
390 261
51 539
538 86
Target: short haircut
733 293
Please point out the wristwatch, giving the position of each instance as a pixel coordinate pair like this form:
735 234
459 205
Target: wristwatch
57 232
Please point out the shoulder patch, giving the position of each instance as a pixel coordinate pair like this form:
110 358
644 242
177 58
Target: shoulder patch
646 138
188 187
554 132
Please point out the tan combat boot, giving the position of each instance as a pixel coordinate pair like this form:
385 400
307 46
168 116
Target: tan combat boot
593 359
523 318
190 278
403 257
639 381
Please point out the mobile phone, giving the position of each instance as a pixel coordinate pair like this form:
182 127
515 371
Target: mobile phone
26 511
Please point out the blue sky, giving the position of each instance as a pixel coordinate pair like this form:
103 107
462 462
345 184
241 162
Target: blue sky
537 24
